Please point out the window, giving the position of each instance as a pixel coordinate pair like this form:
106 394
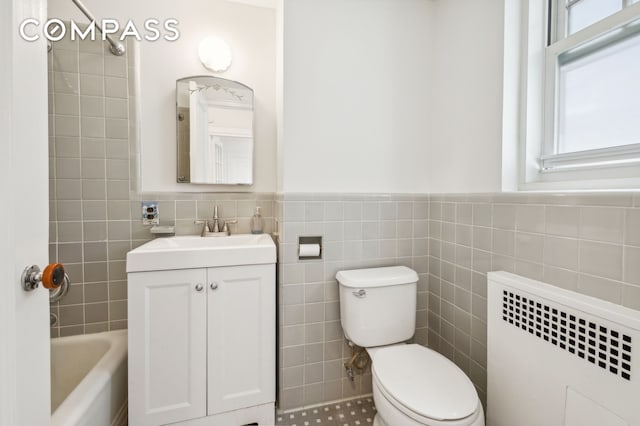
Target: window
583 124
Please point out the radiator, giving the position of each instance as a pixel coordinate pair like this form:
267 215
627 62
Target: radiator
559 358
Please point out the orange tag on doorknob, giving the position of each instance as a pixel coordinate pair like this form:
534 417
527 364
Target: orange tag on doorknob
53 276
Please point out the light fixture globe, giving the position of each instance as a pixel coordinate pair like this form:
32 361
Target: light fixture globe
215 54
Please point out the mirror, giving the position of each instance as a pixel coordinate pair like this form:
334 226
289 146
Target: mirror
214 131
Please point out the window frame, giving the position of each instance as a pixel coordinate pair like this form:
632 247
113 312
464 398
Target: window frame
541 167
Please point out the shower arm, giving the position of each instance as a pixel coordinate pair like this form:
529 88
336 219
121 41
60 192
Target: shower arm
116 47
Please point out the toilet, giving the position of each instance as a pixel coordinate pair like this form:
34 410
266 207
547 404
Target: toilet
412 385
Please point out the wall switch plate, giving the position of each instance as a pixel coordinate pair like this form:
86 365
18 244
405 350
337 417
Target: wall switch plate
150 213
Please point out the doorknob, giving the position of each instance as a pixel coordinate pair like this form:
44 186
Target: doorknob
52 277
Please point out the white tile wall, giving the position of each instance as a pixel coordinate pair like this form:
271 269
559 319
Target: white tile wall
358 231
586 243
94 210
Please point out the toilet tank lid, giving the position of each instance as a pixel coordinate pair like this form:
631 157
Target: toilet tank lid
377 277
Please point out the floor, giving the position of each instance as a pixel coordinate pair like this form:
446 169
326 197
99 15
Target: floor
349 413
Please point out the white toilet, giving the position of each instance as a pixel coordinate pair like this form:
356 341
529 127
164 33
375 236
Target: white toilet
412 385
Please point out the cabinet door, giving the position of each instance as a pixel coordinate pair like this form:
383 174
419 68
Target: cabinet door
241 330
167 346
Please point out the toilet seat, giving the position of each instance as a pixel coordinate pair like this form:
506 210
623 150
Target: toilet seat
423 384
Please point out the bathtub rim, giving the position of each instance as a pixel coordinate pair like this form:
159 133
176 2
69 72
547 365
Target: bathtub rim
100 375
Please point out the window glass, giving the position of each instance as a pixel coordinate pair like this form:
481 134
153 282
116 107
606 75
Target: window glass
583 13
599 98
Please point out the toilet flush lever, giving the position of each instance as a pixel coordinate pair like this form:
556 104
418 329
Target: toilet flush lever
362 293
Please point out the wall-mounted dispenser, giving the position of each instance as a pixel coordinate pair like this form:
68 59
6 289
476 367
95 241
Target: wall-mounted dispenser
309 248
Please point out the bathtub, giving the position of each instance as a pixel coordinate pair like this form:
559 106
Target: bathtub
89 379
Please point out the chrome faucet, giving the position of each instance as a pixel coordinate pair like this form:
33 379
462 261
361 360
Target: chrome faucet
216 226
220 228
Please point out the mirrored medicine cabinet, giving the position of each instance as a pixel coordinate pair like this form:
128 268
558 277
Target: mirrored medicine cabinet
214 131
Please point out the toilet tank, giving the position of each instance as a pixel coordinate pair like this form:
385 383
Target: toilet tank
378 305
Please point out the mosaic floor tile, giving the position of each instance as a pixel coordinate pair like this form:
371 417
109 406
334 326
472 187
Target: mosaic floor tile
357 412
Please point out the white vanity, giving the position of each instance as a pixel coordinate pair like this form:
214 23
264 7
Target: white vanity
202 331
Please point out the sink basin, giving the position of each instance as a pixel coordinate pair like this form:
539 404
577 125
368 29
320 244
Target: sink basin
201 252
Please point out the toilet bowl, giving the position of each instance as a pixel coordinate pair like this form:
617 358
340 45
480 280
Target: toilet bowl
412 385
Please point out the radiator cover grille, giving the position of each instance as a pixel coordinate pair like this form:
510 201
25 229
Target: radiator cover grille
595 343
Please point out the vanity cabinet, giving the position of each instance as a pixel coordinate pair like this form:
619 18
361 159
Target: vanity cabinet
202 345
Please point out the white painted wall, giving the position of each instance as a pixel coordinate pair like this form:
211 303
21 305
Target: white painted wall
466 138
357 101
251 33
378 95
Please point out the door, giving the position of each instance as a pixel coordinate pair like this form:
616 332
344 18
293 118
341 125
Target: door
241 330
24 326
167 346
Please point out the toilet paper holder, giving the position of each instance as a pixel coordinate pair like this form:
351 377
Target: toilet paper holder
309 248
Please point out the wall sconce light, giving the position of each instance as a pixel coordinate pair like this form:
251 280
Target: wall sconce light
215 54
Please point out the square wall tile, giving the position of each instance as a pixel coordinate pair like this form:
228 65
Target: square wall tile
561 252
632 227
632 265
562 221
600 259
602 224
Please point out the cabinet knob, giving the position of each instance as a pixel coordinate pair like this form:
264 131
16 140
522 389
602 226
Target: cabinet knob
214 286
199 287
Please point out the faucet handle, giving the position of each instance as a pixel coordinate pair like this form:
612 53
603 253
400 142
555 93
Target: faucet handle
205 227
225 228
